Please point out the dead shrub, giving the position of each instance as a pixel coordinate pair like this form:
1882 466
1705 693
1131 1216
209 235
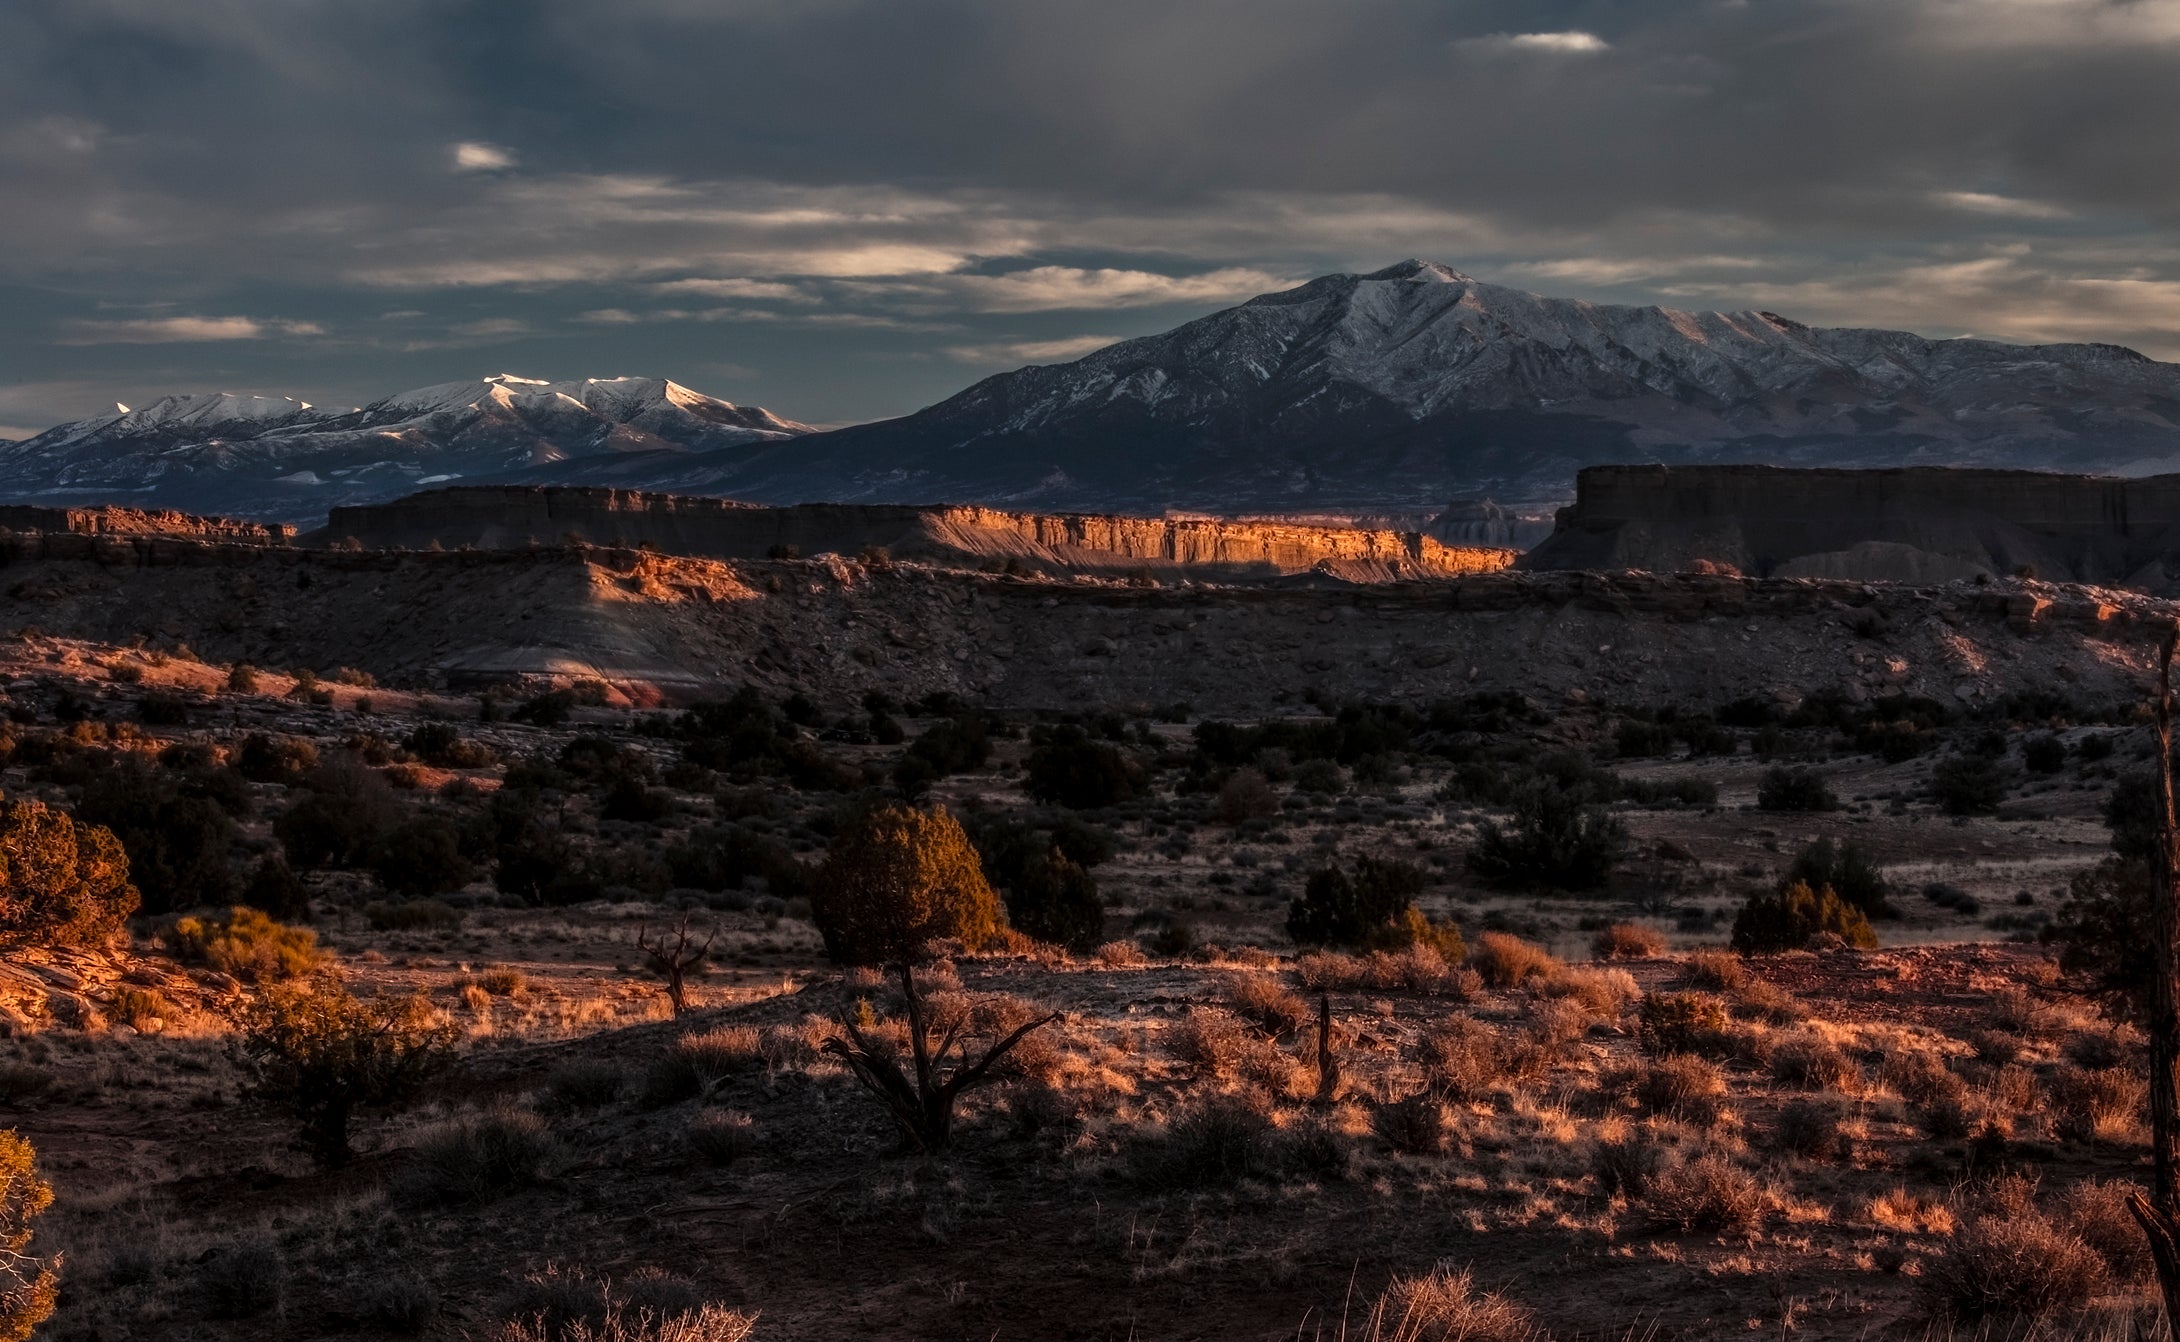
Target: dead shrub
1444 1306
1714 971
1761 999
1684 1086
1628 941
2014 1262
1911 1213
1416 1125
1118 955
1624 1165
1812 1129
1209 1042
1508 962
585 1083
2095 1211
1947 1118
1557 1023
722 1136
2015 1011
1921 1078
2099 1104
1464 1059
1417 969
1813 1062
1709 1193
1215 1139
1317 1147
1259 999
475 1158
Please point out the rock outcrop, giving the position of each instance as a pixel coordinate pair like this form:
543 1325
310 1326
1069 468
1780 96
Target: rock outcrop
513 517
1918 525
109 521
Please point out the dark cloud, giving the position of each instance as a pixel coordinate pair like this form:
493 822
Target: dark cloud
850 203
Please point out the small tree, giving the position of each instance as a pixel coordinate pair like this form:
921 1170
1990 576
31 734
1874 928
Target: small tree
898 877
1553 841
1847 871
1374 907
1794 917
321 1052
28 1287
1788 789
61 883
1053 899
675 960
1968 784
1067 768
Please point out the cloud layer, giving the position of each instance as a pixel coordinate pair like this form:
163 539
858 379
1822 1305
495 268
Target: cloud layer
838 207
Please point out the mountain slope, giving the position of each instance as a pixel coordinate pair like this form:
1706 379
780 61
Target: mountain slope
267 456
1417 383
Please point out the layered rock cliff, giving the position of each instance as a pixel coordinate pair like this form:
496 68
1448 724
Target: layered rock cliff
1910 525
499 518
109 521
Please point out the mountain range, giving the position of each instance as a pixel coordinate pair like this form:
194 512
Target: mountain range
1401 388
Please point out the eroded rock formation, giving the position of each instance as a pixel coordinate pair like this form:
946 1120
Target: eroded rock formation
1920 525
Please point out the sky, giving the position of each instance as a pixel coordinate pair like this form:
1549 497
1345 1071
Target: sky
847 209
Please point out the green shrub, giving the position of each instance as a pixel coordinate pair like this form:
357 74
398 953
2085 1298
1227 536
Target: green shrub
1066 767
1553 841
440 745
1968 784
323 1053
1847 870
276 889
177 842
61 883
1788 789
896 878
29 1289
2044 754
420 858
247 944
1680 1022
412 915
1794 917
1057 901
1366 909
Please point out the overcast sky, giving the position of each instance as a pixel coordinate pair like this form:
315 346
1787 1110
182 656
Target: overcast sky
845 209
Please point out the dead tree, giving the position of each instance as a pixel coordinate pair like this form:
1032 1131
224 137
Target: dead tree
2159 1213
675 960
1328 1067
922 1105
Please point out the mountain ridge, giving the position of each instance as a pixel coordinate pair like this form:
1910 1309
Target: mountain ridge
1403 387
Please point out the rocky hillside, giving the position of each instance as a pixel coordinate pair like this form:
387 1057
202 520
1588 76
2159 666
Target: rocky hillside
503 517
658 625
1913 526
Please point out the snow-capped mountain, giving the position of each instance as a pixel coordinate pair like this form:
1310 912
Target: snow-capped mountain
1417 383
269 456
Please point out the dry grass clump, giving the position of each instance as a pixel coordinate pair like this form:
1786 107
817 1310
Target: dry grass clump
1118 955
1812 1129
1417 1125
1711 1192
2098 1104
503 982
1921 1078
1624 1162
1443 1305
722 1136
1415 969
584 1083
2012 1259
1814 1062
1911 1213
1259 999
1215 1045
1508 962
1210 1140
1603 993
571 1305
475 1158
1714 971
725 1051
2015 1011
1684 1086
2095 1210
1628 941
1761 999
1465 1059
139 1008
1681 1023
243 1278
